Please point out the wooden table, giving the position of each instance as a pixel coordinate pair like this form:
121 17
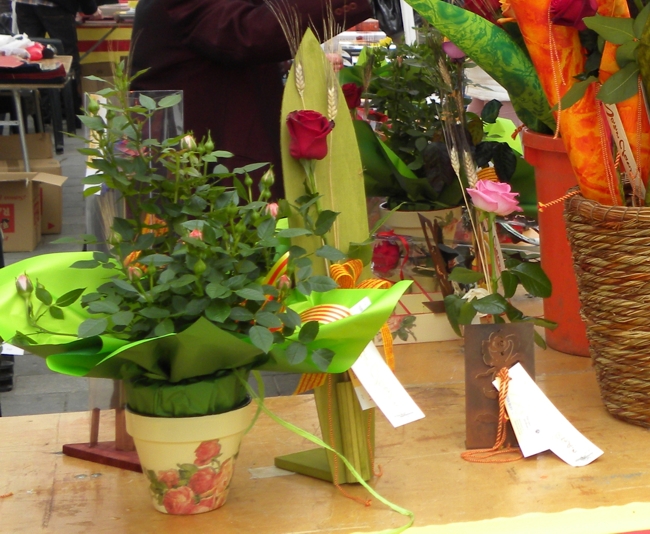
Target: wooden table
422 469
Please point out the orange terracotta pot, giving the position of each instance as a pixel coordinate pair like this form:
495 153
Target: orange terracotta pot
554 177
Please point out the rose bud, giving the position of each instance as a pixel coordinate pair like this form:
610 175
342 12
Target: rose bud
188 142
272 209
571 12
134 273
24 285
352 93
284 282
196 234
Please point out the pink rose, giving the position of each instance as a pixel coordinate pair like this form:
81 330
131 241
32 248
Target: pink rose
196 234
352 93
179 501
224 476
308 131
494 197
571 12
24 285
169 478
203 481
206 451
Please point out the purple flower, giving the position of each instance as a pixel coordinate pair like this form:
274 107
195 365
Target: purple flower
453 51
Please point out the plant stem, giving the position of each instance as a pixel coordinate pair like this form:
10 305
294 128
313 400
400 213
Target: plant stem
494 275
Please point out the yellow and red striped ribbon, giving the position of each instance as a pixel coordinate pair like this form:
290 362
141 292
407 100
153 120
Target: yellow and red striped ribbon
346 276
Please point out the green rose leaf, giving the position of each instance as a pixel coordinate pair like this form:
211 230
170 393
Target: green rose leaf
622 85
308 332
56 312
169 101
533 278
467 312
290 318
164 328
92 327
250 293
613 29
462 275
43 295
330 253
70 297
493 304
296 353
322 283
325 221
261 337
510 283
147 101
154 313
85 264
122 318
322 358
293 232
453 305
217 291
218 311
268 320
103 306
124 285
241 314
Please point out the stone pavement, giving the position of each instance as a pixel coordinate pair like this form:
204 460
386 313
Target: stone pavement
37 389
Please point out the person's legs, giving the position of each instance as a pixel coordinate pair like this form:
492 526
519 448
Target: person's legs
29 21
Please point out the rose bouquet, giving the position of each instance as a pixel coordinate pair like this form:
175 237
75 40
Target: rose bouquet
542 55
199 285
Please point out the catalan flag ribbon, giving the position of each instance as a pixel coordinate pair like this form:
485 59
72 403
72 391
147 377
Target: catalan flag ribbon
346 275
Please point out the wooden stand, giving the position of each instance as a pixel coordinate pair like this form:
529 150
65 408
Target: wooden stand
119 453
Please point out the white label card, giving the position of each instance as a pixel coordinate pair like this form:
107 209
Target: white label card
384 388
540 426
11 349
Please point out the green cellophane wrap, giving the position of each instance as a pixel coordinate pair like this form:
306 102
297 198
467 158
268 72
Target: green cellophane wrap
205 395
201 350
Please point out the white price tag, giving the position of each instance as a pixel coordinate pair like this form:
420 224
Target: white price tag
540 426
384 388
11 349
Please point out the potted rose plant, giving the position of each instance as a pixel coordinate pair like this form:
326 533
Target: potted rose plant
199 287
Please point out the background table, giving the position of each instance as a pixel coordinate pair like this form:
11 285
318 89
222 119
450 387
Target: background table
422 468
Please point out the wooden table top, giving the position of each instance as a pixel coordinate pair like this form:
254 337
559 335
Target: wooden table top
422 468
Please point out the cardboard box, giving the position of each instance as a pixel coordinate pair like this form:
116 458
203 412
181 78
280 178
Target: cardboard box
39 148
428 326
20 207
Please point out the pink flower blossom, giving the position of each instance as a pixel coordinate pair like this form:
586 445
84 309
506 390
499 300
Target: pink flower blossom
206 451
169 477
196 234
134 272
284 282
453 51
179 501
494 197
272 209
24 285
203 481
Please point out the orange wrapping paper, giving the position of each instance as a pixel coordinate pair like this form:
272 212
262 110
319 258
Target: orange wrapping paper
579 124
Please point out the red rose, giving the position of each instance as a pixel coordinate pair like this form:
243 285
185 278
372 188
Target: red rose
179 501
207 504
203 481
206 451
169 478
224 476
385 257
308 132
352 93
571 12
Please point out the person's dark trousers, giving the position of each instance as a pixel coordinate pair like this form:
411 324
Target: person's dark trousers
58 23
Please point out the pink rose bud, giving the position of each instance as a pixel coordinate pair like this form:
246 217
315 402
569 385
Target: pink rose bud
24 285
571 12
196 234
272 209
308 132
134 273
284 282
494 197
453 51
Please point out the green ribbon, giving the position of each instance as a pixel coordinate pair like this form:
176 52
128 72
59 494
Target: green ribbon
314 439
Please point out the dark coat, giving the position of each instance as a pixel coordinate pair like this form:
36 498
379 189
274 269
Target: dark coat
225 55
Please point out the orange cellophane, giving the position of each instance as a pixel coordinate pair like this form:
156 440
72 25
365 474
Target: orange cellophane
634 116
557 55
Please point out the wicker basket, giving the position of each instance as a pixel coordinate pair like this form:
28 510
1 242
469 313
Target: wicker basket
611 257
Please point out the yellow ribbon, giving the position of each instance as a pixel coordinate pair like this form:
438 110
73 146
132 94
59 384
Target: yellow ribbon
346 275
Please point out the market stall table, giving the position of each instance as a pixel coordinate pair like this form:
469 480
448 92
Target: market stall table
44 491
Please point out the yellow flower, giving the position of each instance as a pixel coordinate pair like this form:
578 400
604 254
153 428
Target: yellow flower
386 41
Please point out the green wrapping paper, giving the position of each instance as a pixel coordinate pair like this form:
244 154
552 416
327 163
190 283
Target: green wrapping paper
201 350
219 393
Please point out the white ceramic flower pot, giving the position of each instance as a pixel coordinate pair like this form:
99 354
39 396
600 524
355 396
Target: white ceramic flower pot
188 461
407 223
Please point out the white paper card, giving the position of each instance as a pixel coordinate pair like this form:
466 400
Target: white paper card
540 426
11 349
384 388
365 400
